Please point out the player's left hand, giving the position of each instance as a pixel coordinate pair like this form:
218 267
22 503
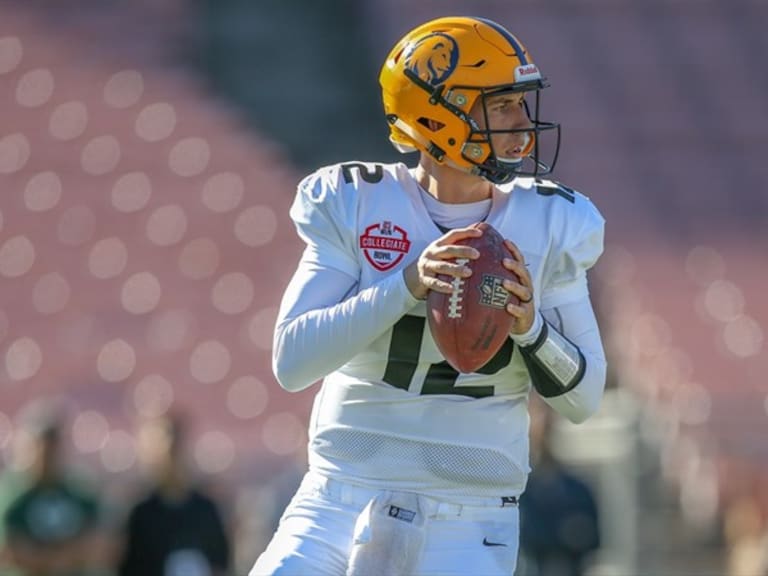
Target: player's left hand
523 289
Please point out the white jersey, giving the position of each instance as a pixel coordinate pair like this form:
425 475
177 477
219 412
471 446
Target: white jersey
396 415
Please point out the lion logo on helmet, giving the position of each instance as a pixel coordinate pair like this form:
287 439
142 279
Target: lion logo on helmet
433 58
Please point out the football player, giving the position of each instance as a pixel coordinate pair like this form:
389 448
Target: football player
415 468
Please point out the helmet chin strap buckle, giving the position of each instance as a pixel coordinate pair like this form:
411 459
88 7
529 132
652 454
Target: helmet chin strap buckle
497 176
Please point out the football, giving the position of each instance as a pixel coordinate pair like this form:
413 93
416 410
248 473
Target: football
470 324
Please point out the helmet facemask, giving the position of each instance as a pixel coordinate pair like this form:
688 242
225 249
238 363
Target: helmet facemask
534 159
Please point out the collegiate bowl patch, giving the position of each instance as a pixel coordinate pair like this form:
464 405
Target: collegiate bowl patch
384 245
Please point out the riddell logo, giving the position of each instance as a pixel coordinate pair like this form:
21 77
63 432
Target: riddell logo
384 245
522 72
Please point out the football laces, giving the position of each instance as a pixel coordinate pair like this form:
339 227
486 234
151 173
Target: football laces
457 293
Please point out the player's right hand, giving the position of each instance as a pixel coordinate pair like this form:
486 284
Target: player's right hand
441 257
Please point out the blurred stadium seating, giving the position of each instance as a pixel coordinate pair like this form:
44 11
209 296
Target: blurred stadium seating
144 244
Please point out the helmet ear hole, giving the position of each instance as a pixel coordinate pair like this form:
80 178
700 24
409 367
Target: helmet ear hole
430 124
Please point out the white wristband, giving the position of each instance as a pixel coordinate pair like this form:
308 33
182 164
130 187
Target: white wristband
529 337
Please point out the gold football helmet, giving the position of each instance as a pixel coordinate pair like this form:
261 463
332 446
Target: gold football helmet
436 73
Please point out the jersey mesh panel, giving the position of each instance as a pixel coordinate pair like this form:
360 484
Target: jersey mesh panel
486 470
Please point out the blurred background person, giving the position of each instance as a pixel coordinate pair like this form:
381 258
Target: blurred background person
51 519
560 527
746 535
175 528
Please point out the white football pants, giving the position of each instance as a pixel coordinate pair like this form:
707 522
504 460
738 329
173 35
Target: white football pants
338 529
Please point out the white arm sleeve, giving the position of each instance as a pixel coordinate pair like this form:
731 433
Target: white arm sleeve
576 321
580 246
565 304
319 328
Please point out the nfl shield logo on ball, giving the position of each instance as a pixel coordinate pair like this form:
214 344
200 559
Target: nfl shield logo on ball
492 293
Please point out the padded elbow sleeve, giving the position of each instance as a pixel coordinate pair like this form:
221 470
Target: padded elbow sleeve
555 364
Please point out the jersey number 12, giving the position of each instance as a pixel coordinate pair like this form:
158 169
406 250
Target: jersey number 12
441 377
